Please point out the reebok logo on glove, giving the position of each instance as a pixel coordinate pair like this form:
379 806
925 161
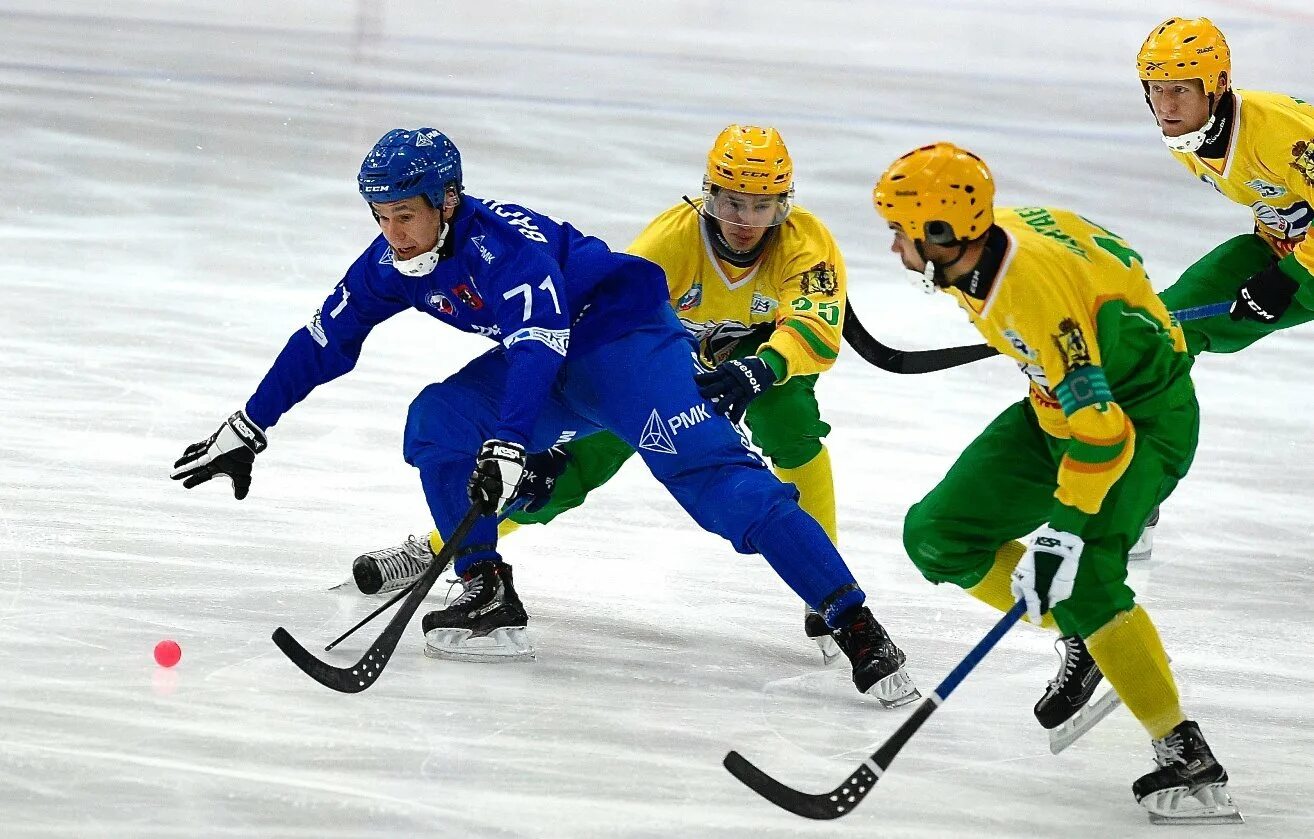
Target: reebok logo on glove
748 374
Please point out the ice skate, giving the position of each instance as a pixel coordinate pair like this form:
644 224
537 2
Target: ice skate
877 662
1066 709
388 569
1144 546
815 628
1190 786
486 623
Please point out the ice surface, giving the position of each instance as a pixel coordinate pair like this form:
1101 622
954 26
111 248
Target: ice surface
180 195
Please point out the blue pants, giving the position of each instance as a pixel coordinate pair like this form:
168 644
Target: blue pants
641 388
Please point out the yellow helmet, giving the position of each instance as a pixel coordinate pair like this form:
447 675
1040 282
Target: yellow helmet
938 193
1186 48
749 159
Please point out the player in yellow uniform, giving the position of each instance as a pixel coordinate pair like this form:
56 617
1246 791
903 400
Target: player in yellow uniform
1255 148
761 283
1108 429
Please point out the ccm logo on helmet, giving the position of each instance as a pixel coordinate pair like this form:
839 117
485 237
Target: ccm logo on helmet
376 189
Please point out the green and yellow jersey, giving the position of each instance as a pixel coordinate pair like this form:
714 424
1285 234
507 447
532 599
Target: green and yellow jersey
1070 302
798 283
1269 167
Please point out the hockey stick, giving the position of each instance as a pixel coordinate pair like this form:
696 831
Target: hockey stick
842 799
930 361
367 671
907 361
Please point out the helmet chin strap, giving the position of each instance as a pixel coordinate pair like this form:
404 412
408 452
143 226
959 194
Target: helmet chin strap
932 276
424 264
1192 140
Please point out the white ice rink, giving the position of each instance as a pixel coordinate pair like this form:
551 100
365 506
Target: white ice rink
180 195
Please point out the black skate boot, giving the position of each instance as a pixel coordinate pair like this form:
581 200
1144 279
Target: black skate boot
486 623
1067 709
814 626
877 662
1190 786
388 569
1072 688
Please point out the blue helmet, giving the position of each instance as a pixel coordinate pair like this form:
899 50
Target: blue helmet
406 163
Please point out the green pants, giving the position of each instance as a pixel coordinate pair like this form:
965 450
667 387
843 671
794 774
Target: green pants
785 423
1215 278
1002 488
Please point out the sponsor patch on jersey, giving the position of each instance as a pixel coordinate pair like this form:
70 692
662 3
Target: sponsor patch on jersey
1266 189
441 302
762 305
387 258
493 331
484 253
468 296
1013 337
820 279
655 437
557 340
316 329
1205 179
690 299
1302 160
1072 344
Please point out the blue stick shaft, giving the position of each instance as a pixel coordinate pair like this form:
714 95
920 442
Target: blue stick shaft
973 658
1207 311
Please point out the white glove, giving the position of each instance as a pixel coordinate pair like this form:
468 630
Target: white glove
1047 571
497 474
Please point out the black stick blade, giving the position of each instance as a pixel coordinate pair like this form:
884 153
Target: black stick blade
838 802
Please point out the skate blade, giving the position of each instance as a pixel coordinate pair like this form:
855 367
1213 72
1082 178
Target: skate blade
1082 721
895 690
500 645
830 651
1210 804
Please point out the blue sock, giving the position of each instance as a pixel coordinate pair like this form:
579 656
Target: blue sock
800 552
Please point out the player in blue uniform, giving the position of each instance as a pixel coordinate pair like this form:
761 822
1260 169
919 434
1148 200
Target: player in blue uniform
586 343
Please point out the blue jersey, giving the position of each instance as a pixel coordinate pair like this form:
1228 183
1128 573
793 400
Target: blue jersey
539 286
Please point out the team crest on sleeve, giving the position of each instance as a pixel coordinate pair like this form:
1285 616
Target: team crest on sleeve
1072 344
440 301
820 279
690 299
1302 154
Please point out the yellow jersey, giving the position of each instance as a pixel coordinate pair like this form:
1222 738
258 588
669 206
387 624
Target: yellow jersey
798 283
1269 167
1070 302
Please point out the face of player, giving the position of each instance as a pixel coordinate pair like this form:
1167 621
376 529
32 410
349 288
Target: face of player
1180 106
907 250
744 218
411 226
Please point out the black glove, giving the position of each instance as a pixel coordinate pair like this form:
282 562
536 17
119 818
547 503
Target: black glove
1265 297
230 451
722 341
732 385
541 472
497 474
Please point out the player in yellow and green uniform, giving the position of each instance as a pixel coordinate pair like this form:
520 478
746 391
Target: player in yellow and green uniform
1108 429
757 280
1255 148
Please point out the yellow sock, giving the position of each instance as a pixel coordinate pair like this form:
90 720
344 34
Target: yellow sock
995 589
1131 656
816 490
505 528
